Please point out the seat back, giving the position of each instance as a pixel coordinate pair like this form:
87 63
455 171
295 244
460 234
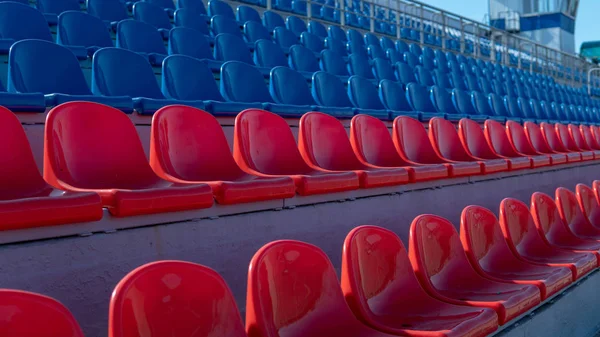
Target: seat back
412 142
363 93
565 137
31 314
535 137
74 156
107 10
312 42
588 137
462 101
254 31
337 33
496 136
289 87
577 138
317 28
190 19
405 73
518 227
12 17
570 212
120 72
139 36
424 76
588 203
264 142
445 140
268 55
241 82
151 14
302 59
76 28
359 65
402 46
218 7
305 284
518 139
284 37
295 25
387 43
382 69
443 100
335 45
57 7
393 96
547 219
328 90
57 72
473 140
481 104
189 42
550 134
221 24
214 310
231 48
187 78
196 6
418 98
271 20
245 13
595 133
371 141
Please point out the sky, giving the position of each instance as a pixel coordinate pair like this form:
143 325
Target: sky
587 26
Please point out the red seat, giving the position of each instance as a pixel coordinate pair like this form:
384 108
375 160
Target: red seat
491 256
529 244
588 137
173 298
264 145
566 137
571 214
473 141
446 143
521 145
441 265
293 291
547 220
588 204
187 145
26 200
536 139
580 142
556 145
412 143
495 135
29 314
324 145
595 133
94 147
373 145
382 290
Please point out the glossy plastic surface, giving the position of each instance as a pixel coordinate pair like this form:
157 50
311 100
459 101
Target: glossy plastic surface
187 145
490 255
264 146
30 314
570 212
26 200
173 298
324 145
443 269
588 204
529 244
139 37
588 137
519 142
381 288
293 291
115 167
537 141
373 145
580 142
556 145
495 134
570 144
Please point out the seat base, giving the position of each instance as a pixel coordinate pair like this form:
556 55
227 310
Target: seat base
540 161
370 178
463 169
519 163
252 189
428 172
494 165
316 182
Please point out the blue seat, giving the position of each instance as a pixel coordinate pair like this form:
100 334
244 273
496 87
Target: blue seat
382 69
111 11
168 6
393 97
283 5
550 111
300 7
29 73
245 13
13 17
464 106
375 51
268 55
526 110
443 102
537 111
272 20
328 91
440 78
218 7
497 106
394 56
355 38
405 73
53 8
457 81
295 25
427 62
189 19
317 28
420 100
411 59
231 48
363 95
415 49
254 31
221 24
154 16
76 28
424 76
120 72
337 33
312 42
336 46
483 107
141 37
189 79
386 43
333 63
485 86
371 39
512 108
303 60
196 6
329 12
359 65
472 83
402 47
284 38
192 43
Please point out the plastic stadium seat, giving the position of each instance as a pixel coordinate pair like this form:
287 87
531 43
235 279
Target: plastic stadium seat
28 73
190 42
363 94
482 107
387 43
324 144
393 55
443 102
412 143
491 257
208 159
268 55
419 99
163 298
217 7
424 77
411 59
372 39
571 214
337 46
588 137
317 28
451 278
115 168
588 204
245 13
359 65
196 6
112 11
187 18
303 60
393 97
76 28
167 6
378 279
548 221
447 144
12 16
580 142
142 38
152 15
337 33
279 155
221 24
295 25
595 133
382 69
284 38
272 20
569 143
329 91
539 144
497 138
312 42
52 8
556 144
231 48
530 245
305 283
31 314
